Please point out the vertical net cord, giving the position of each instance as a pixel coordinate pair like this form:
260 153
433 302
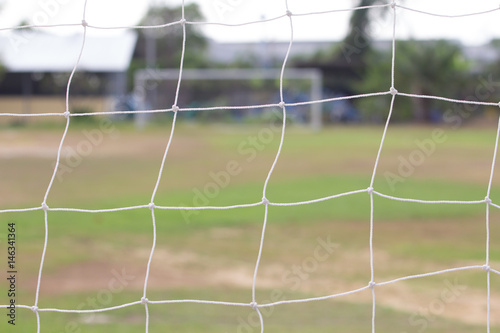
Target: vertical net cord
488 271
56 167
393 72
264 191
370 189
488 203
175 108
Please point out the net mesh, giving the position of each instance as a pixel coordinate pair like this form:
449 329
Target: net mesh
264 202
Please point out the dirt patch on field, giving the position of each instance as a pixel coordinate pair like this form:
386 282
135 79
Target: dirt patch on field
173 269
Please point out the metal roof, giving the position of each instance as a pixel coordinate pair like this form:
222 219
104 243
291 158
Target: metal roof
33 51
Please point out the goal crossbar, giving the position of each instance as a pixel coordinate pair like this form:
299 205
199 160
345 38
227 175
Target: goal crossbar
313 75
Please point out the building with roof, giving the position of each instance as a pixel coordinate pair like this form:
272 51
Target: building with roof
37 66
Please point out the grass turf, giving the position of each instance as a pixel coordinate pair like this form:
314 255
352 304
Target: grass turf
122 172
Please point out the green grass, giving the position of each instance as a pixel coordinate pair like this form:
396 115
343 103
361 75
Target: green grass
409 238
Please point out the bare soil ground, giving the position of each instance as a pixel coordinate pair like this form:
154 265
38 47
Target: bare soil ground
173 270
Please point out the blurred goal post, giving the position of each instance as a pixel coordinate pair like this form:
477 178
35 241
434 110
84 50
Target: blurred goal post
315 76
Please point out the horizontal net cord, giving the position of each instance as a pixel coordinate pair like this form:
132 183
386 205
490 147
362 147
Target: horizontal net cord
35 26
460 101
313 299
31 26
262 305
247 205
213 108
111 308
248 107
165 25
431 201
416 276
140 27
20 210
448 16
342 98
199 302
297 203
158 26
142 301
341 10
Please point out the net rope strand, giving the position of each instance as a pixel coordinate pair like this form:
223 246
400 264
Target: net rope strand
488 204
175 108
264 20
393 92
56 167
266 182
265 201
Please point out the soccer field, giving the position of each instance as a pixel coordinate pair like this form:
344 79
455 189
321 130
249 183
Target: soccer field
98 260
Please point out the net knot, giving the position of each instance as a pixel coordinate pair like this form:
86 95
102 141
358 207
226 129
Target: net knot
253 305
393 4
44 206
372 284
34 308
288 13
66 114
144 300
487 200
151 205
182 21
281 104
486 268
84 23
175 108
265 201
393 91
369 190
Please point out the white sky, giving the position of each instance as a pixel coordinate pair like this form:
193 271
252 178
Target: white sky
471 30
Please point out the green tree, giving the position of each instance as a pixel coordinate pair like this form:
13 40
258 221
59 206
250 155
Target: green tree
344 63
358 41
422 67
162 47
167 41
493 74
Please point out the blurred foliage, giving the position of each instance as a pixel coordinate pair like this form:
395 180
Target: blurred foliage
359 36
358 41
2 70
422 67
493 69
168 40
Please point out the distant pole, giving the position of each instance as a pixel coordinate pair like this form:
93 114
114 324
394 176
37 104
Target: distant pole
141 119
316 94
150 50
27 92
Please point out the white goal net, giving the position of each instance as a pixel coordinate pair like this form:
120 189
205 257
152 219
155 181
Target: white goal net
260 309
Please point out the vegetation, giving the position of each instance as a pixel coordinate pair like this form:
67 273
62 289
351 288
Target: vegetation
162 47
434 67
423 68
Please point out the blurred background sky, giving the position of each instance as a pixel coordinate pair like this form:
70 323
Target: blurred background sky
474 30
